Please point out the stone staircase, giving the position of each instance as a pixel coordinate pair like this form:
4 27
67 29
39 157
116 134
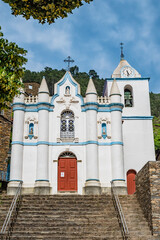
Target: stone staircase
136 222
5 202
68 217
61 217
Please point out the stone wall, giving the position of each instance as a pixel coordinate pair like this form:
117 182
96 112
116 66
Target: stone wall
5 132
148 194
31 88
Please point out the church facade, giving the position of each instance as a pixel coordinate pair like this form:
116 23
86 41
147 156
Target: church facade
69 144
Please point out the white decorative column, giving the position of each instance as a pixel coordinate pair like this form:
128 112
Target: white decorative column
42 186
92 185
17 144
117 155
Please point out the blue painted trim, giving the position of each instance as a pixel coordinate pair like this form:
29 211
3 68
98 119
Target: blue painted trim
67 76
127 79
15 180
101 110
89 108
90 103
32 110
137 117
91 93
42 180
19 103
66 143
19 109
32 105
43 92
90 179
115 94
103 105
116 109
117 180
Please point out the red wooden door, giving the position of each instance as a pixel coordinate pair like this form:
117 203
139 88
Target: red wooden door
131 184
67 174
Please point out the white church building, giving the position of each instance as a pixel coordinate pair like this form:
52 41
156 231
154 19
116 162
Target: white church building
69 144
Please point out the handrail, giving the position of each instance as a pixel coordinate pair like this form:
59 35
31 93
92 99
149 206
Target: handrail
120 214
12 214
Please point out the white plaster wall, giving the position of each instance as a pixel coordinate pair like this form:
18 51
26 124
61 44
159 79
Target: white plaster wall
138 143
29 165
105 171
141 102
18 126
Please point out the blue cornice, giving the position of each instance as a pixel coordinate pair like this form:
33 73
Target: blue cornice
128 79
137 117
90 179
66 143
113 180
43 92
91 93
42 180
15 180
67 76
101 110
103 105
32 109
33 104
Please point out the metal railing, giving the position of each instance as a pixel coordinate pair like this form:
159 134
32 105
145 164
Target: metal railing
120 215
11 215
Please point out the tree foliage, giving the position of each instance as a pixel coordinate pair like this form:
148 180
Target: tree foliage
11 70
53 75
44 10
156 130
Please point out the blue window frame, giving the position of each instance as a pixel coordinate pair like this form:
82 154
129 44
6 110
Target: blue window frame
104 130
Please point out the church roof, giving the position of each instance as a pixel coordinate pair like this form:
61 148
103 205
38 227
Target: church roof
117 71
91 88
44 86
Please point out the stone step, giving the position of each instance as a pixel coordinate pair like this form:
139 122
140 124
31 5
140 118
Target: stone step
66 238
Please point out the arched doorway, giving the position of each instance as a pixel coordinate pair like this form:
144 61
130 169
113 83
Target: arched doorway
67 172
131 184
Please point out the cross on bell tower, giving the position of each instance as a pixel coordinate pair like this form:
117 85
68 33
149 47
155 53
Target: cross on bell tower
122 55
69 60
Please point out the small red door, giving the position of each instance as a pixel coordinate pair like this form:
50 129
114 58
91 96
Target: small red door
131 184
67 174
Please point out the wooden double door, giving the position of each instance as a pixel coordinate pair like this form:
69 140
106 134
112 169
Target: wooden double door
67 174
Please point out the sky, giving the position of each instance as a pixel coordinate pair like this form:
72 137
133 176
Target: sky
92 36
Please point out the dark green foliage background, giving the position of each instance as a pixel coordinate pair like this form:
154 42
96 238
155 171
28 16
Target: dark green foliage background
53 75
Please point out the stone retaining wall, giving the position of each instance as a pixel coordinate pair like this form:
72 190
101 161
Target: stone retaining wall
148 194
5 132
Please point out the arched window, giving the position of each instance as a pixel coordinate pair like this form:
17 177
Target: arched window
67 124
104 130
67 90
31 129
128 96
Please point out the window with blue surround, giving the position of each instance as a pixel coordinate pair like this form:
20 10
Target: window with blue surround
67 125
104 130
67 90
31 130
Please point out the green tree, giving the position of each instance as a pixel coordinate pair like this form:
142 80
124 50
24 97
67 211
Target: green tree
11 70
46 10
156 130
